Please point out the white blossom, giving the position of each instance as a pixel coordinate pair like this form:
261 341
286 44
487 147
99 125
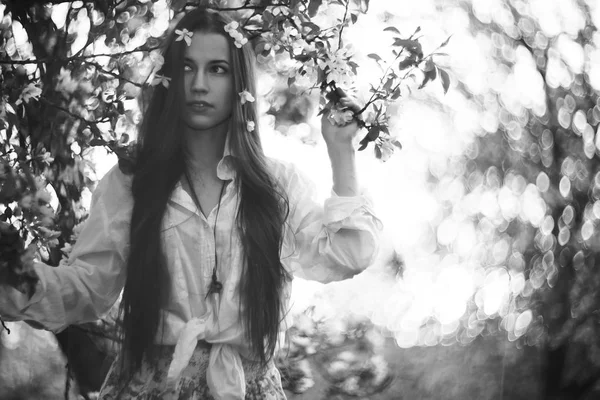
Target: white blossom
246 96
47 157
157 60
232 26
31 91
162 80
280 10
184 34
387 149
250 125
109 95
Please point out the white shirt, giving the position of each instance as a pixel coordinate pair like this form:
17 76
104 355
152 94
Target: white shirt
325 243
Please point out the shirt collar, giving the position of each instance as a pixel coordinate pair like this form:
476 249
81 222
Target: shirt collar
225 171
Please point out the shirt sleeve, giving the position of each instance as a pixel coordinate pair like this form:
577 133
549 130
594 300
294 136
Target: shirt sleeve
331 241
86 286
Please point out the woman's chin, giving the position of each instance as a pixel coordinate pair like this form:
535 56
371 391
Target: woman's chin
204 124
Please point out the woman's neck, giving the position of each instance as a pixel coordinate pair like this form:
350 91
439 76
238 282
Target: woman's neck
204 149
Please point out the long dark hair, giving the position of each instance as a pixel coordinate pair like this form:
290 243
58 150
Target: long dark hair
263 207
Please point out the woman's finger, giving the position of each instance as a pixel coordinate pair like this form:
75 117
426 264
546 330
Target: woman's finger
350 103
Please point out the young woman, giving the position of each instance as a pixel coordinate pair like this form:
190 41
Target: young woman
205 235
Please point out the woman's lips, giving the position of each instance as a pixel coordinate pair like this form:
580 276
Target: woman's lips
199 105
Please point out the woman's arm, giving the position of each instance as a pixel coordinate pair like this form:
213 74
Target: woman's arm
84 287
328 241
341 150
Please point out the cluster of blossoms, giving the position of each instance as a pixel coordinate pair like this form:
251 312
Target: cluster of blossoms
339 70
234 32
271 41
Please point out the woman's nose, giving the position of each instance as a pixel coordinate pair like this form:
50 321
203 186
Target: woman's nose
200 82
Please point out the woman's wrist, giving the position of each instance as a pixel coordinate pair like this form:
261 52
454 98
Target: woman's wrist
343 166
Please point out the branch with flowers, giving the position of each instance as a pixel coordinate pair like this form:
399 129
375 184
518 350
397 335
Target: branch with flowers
315 58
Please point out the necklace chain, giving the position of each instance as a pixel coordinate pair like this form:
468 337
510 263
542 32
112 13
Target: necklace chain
215 286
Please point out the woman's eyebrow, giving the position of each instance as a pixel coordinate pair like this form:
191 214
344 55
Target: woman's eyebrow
215 61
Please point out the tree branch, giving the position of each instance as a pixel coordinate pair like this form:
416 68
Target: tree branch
76 58
343 25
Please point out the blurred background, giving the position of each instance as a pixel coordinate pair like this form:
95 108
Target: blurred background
487 285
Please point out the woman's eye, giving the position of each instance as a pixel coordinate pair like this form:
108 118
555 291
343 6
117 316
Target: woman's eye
187 68
219 69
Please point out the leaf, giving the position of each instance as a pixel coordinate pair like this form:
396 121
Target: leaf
354 18
353 67
374 56
407 62
429 76
377 151
429 65
313 7
397 143
377 111
411 45
302 57
388 84
260 47
97 142
314 28
446 41
364 6
374 132
392 29
267 17
363 144
445 80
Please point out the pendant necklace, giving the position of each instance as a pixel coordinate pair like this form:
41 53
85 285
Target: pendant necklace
215 286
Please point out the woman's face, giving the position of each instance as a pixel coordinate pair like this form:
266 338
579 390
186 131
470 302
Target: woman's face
208 81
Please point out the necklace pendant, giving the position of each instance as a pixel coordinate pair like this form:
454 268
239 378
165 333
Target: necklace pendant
215 286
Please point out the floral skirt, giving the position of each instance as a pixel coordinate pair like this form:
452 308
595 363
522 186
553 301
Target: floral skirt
150 382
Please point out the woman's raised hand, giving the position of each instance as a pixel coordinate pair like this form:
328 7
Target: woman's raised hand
338 124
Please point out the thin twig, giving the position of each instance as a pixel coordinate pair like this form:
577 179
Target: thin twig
343 24
372 99
114 74
76 58
4 326
79 117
